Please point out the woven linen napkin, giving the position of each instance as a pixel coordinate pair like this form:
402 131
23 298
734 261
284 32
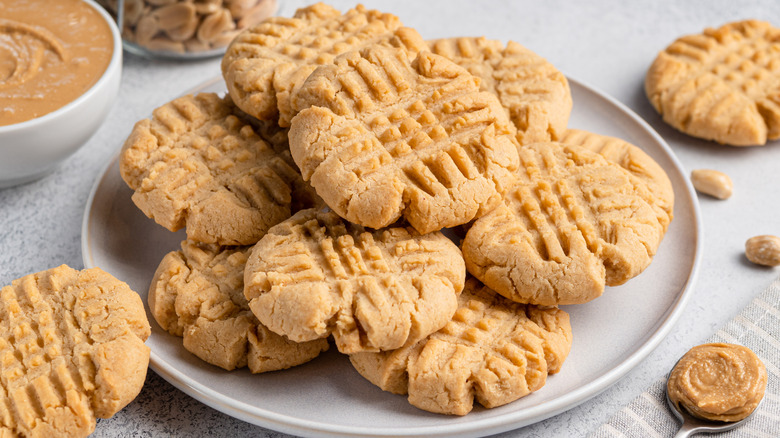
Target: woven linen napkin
756 327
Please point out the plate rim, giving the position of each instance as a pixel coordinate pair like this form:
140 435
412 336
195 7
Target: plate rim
484 426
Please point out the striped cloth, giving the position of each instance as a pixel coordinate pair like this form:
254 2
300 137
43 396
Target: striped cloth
756 327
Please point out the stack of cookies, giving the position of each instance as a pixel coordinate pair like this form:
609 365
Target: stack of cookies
421 203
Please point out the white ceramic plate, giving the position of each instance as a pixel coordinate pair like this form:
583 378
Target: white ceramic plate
326 397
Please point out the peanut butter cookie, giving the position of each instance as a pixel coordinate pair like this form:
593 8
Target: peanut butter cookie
571 223
71 349
195 163
315 274
722 84
493 350
634 160
265 64
379 137
198 293
533 91
303 194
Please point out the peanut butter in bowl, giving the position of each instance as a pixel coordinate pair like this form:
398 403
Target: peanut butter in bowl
51 52
719 382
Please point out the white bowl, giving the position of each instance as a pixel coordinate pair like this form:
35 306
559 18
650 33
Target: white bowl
34 148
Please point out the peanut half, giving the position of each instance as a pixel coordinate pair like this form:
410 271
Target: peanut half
175 15
712 182
763 250
214 25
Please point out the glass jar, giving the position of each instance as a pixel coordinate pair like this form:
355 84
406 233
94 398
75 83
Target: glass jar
185 28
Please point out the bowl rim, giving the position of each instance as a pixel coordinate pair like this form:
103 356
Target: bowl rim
114 67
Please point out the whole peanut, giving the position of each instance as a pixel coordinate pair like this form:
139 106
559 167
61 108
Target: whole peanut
712 182
763 250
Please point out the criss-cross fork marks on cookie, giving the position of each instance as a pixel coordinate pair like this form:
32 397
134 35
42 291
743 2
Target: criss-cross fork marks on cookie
572 223
379 137
265 64
636 162
493 350
197 164
347 258
742 56
69 352
331 251
534 93
722 84
315 275
35 341
198 293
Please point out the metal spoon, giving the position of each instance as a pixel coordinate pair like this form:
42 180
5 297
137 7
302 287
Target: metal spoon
692 425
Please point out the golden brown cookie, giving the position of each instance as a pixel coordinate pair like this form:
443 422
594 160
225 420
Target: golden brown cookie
379 138
272 133
196 163
71 349
316 275
572 222
634 160
265 64
493 350
303 194
533 91
198 293
722 84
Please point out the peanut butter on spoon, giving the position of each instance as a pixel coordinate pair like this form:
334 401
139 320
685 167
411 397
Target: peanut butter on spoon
713 387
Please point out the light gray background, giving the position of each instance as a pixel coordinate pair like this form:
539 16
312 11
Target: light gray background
607 44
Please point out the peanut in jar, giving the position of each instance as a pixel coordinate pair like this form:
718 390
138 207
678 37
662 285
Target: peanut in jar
185 28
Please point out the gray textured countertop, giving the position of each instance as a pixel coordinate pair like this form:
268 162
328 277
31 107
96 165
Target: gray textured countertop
607 44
